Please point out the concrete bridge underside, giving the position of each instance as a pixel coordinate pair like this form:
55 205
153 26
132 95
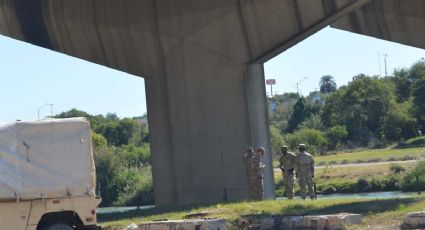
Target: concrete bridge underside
202 61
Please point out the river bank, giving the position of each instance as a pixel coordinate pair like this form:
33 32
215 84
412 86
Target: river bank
376 212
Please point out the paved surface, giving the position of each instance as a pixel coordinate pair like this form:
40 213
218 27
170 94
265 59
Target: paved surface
364 164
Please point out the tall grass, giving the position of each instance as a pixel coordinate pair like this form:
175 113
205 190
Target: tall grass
414 180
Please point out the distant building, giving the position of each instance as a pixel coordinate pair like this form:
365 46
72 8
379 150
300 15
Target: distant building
317 97
143 121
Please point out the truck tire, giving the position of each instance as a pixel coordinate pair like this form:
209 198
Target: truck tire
58 227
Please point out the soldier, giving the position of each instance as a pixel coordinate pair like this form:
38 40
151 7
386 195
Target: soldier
252 162
305 172
260 183
288 165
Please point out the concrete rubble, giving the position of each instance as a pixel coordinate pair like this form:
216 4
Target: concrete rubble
319 222
325 222
198 224
414 220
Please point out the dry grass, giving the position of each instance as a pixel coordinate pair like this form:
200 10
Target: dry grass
356 172
372 155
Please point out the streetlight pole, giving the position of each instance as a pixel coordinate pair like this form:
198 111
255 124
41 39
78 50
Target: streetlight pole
51 110
41 107
298 83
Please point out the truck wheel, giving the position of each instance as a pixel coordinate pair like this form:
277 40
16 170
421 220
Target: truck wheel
58 227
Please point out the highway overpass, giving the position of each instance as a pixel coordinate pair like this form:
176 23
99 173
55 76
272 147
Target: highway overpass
202 61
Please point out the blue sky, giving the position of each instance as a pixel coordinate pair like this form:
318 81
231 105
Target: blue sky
337 53
32 76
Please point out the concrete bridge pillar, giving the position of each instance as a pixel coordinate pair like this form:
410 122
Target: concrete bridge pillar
202 116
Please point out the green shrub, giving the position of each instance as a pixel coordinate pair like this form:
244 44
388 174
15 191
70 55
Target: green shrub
346 187
413 142
135 187
391 184
124 175
279 193
414 180
362 185
329 190
314 139
336 135
397 169
98 140
276 139
376 185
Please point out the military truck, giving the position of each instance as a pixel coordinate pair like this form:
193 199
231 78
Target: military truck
47 175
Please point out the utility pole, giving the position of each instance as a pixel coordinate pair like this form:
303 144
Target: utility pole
298 84
51 110
379 64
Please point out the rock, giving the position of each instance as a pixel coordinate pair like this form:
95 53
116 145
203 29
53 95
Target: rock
329 190
319 222
414 220
200 224
196 215
267 223
132 226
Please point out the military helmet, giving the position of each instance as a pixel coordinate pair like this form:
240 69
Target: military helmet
261 149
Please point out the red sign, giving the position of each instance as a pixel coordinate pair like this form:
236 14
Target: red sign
271 81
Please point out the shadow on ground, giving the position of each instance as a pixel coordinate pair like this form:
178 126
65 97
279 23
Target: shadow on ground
361 207
103 217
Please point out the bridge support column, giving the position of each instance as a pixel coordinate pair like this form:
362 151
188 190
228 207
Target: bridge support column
201 121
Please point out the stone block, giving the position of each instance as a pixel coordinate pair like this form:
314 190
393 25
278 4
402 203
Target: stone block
414 220
316 222
200 224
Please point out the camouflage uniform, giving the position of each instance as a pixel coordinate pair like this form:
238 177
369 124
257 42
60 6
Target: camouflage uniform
288 165
255 174
305 173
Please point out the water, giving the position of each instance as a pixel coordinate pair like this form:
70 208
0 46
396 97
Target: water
109 210
371 195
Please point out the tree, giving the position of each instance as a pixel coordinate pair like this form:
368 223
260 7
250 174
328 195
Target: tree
125 130
314 139
276 139
299 114
327 84
285 103
73 113
361 106
336 135
403 84
399 122
417 70
419 100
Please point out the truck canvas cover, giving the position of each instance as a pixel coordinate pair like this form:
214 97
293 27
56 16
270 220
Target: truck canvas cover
46 159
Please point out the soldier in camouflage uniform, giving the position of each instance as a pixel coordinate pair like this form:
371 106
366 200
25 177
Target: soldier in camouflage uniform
288 165
305 172
255 178
260 182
